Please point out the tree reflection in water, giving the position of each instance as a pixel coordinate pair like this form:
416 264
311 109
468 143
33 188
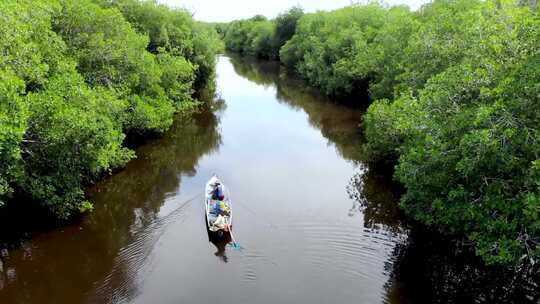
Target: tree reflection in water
339 124
427 267
430 268
164 162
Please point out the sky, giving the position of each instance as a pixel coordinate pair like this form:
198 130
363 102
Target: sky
227 10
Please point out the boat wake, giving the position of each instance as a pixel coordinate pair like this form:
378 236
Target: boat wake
121 285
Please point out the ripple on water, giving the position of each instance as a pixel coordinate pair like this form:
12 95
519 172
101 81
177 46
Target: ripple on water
346 248
251 260
120 285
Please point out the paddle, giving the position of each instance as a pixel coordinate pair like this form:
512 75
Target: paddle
235 245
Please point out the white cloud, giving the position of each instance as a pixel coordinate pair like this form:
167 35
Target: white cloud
227 10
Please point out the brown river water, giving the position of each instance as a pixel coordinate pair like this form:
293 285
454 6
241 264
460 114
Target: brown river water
314 223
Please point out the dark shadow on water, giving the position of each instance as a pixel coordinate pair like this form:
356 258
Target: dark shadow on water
376 196
427 267
430 268
221 245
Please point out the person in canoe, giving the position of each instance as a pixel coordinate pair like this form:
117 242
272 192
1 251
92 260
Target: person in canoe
218 206
217 190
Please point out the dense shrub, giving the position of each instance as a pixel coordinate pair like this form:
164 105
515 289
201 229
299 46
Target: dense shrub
75 77
261 37
174 31
467 142
343 51
253 37
74 134
110 53
13 121
286 25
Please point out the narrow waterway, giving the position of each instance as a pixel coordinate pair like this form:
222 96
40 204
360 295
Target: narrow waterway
314 224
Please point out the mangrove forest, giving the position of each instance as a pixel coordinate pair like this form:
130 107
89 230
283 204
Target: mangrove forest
310 151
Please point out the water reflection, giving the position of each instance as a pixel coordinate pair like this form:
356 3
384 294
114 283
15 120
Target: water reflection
339 124
376 198
426 267
429 268
65 264
374 195
221 244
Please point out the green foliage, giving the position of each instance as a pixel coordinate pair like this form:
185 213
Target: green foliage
383 62
286 25
468 143
261 37
448 31
174 31
206 44
236 36
13 122
167 28
460 116
110 53
387 125
343 51
176 78
220 27
74 78
105 46
30 53
253 37
74 134
29 48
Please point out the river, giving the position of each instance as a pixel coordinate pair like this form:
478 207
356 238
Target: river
315 225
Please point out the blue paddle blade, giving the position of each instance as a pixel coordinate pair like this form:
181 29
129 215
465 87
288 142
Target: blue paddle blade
235 246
